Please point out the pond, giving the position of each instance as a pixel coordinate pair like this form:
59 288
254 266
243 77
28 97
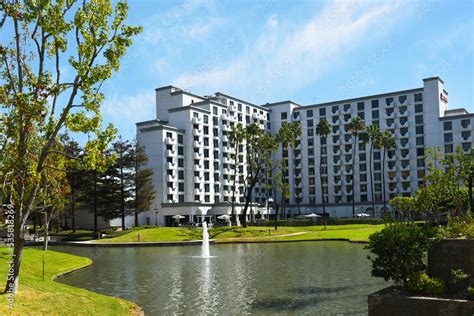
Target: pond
325 278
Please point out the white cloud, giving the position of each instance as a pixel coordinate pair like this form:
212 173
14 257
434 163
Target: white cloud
288 57
125 111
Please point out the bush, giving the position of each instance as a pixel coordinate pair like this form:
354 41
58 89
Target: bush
421 282
399 251
470 291
459 227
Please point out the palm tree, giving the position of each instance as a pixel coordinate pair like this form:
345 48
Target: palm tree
387 142
355 127
236 137
323 129
373 135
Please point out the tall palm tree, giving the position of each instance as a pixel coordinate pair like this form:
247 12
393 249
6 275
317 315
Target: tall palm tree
355 127
236 137
323 129
387 142
373 135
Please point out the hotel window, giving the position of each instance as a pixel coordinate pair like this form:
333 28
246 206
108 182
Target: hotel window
361 115
180 174
322 112
418 108
420 141
347 107
180 139
206 119
309 123
376 155
388 101
310 161
310 151
419 119
215 132
448 137
195 114
402 98
375 104
465 123
335 119
168 134
419 129
465 135
310 142
466 146
418 97
311 171
448 126
377 165
239 107
448 149
360 106
309 113
420 163
206 130
310 132
181 186
180 150
335 108
181 162
420 152
284 115
375 114
214 110
362 167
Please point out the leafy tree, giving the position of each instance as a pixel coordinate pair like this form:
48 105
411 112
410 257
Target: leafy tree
286 137
386 142
260 147
38 102
373 136
144 189
125 167
356 126
236 138
323 129
405 206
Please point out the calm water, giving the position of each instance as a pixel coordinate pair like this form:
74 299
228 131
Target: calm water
323 278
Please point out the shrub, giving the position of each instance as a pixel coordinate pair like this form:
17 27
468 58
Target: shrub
399 251
421 282
470 291
459 227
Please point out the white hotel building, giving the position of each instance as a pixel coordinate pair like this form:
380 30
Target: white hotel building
190 154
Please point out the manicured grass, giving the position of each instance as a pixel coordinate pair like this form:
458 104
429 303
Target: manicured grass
354 232
38 297
157 234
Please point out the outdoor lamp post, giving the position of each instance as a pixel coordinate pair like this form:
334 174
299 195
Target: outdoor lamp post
156 215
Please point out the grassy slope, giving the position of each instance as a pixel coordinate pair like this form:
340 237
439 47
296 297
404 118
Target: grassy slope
356 232
52 298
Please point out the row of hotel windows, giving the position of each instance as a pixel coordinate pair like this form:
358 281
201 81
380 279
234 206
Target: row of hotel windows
418 97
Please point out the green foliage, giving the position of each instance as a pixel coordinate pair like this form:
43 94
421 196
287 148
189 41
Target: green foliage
459 227
458 275
405 206
470 291
398 251
421 282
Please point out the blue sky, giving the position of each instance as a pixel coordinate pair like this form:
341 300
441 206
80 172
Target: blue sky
306 51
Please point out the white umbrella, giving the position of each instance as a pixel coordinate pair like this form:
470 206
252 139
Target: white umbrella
363 215
177 216
312 215
225 216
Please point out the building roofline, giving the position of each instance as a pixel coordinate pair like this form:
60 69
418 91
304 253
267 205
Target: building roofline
433 78
188 107
373 96
240 100
456 117
147 126
282 102
166 88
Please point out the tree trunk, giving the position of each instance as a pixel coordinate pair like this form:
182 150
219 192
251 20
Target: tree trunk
372 176
73 207
122 199
276 216
383 182
471 201
95 202
321 180
45 228
353 175
247 202
136 219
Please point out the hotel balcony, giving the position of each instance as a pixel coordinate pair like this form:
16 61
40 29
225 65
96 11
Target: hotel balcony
466 126
197 143
170 165
298 147
347 172
298 156
348 141
226 171
407 178
391 115
170 178
255 116
298 175
348 192
197 179
348 151
196 132
467 139
196 120
390 105
225 138
337 152
402 125
298 166
228 193
197 168
400 135
170 190
227 149
404 102
337 173
170 141
336 182
335 122
197 191
228 160
403 114
406 190
170 153
347 182
226 182
347 110
226 128
391 158
348 161
337 112
392 167
404 145
405 168
346 121
337 192
197 156
392 189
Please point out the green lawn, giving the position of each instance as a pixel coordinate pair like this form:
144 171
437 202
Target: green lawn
354 232
48 297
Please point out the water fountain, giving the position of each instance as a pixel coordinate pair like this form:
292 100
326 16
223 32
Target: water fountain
205 241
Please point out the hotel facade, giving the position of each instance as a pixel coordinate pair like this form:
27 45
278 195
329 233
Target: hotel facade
191 156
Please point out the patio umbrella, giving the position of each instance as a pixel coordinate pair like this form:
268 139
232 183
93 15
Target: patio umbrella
177 216
363 215
312 215
225 216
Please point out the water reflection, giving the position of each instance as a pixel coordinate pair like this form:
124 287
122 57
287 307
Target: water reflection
306 278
